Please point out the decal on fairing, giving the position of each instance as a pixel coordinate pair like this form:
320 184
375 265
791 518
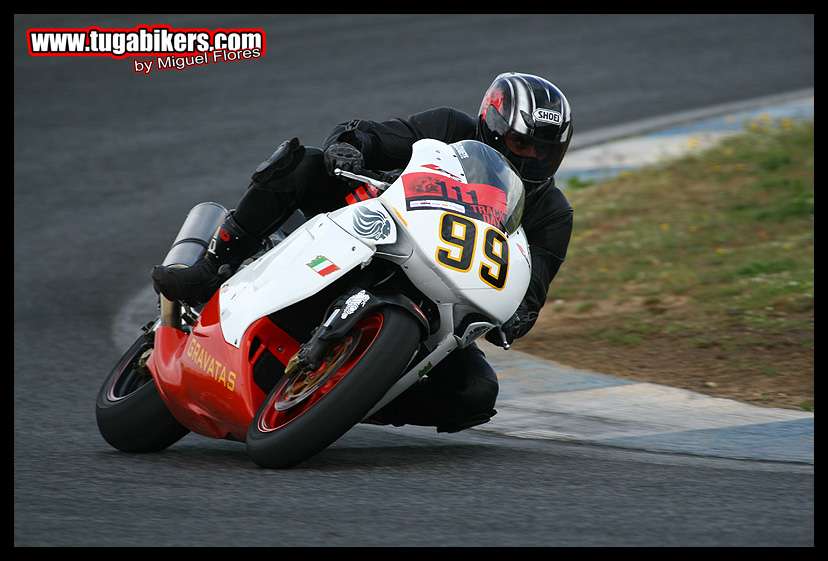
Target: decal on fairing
371 224
322 266
353 303
523 252
433 203
425 369
208 364
435 167
475 200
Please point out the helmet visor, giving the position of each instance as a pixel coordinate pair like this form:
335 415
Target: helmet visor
534 159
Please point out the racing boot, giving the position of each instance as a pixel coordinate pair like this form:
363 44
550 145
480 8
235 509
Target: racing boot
195 285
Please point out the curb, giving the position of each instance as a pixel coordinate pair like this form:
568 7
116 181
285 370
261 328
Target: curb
541 399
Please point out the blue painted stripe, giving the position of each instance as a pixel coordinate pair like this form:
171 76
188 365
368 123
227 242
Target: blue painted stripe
511 388
522 375
784 441
592 174
737 121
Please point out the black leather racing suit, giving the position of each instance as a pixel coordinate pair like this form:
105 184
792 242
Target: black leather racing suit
461 390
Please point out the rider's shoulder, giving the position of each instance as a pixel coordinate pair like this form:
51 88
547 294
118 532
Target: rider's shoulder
446 114
549 195
444 123
442 111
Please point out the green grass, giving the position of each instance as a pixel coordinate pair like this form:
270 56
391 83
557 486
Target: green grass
727 233
731 227
575 183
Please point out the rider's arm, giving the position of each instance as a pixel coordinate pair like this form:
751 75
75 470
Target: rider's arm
387 144
548 227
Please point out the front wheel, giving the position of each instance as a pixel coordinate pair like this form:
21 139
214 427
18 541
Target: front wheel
305 413
131 415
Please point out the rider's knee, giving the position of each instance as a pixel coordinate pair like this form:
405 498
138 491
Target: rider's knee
290 168
489 391
284 160
312 165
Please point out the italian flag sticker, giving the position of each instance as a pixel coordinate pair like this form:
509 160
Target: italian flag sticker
322 265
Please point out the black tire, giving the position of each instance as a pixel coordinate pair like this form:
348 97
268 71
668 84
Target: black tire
381 365
131 415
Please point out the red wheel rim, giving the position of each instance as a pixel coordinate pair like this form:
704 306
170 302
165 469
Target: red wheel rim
271 419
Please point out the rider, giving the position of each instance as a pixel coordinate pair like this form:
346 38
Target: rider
525 117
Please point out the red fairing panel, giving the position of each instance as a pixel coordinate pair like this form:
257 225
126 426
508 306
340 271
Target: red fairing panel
207 383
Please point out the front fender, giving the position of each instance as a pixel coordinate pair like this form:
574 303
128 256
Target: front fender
344 314
355 304
312 257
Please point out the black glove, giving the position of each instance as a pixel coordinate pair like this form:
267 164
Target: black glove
515 327
343 156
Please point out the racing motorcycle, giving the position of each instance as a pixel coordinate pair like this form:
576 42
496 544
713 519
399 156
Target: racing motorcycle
318 332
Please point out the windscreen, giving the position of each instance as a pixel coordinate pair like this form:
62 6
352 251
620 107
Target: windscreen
492 191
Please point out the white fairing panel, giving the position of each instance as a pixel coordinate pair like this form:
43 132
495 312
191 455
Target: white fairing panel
422 222
311 258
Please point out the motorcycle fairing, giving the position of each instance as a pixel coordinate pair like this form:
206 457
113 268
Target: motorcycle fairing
192 371
311 258
421 224
208 385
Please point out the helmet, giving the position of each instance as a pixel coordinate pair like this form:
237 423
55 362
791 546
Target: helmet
528 120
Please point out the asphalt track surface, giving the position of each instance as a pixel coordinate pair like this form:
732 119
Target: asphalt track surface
106 165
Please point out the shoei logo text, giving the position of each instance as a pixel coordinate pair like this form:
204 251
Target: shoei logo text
167 48
547 116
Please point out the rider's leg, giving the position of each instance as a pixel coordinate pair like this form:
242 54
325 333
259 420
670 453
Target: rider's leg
458 393
293 177
270 201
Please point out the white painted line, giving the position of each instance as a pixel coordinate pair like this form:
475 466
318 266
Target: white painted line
635 128
642 151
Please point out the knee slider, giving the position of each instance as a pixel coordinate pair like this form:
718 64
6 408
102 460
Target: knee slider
480 396
283 161
489 391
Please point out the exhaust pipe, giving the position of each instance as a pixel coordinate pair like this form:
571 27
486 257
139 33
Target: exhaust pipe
189 246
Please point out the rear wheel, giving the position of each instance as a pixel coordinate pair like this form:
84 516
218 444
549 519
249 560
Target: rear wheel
131 415
308 411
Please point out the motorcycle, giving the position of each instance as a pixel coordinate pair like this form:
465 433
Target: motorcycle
320 331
